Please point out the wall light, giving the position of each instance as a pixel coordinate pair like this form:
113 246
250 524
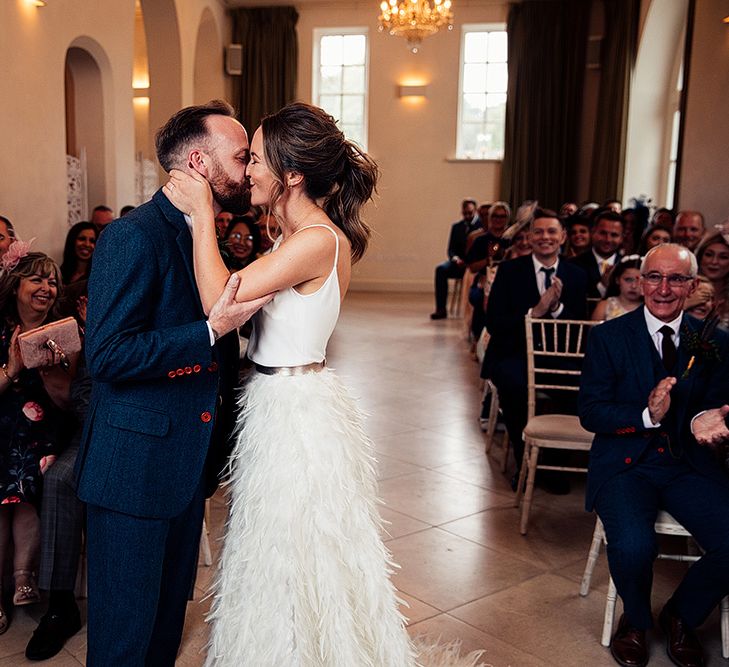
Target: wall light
412 91
36 3
726 19
141 92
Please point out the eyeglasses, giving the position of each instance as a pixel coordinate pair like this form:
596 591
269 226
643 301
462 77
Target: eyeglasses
674 279
241 237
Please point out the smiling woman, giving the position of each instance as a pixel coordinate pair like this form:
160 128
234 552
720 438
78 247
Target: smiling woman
30 414
77 253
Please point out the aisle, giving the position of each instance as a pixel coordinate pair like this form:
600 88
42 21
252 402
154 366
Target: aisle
465 570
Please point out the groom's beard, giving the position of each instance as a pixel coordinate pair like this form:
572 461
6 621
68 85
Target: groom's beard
231 195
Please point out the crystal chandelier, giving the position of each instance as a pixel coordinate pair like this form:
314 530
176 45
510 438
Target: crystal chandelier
415 19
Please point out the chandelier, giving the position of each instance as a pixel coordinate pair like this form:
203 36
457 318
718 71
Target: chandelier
415 19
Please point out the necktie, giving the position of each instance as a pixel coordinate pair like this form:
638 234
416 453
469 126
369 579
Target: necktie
547 277
604 266
668 348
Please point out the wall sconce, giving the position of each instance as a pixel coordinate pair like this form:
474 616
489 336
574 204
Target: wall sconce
726 19
412 91
141 92
36 3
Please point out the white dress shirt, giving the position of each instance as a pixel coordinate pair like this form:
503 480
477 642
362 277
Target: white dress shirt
541 280
654 331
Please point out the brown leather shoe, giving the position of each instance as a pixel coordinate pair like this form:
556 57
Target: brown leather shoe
628 646
682 645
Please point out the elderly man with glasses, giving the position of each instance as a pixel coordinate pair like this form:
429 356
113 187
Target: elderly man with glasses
647 375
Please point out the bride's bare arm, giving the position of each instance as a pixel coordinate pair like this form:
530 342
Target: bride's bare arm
191 194
303 257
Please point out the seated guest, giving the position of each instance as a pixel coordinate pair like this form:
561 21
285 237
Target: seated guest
62 518
702 301
487 244
578 236
31 401
101 217
455 265
614 205
568 209
713 257
243 241
623 293
7 235
689 229
606 235
665 217
269 229
549 287
632 231
653 235
644 378
483 216
222 222
126 210
77 252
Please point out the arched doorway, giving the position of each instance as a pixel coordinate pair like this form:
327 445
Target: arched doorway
209 82
85 136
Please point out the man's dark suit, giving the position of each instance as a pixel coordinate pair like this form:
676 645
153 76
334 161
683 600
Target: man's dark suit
154 438
587 262
449 269
513 293
635 471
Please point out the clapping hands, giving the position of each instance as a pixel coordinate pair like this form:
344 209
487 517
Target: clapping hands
659 400
710 428
550 299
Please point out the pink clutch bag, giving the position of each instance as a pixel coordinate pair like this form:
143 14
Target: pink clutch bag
38 346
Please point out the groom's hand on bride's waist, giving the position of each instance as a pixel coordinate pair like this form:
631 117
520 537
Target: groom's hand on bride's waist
228 314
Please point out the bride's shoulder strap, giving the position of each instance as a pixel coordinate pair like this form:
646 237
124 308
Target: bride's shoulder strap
336 238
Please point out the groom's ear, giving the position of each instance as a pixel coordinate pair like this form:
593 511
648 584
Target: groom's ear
197 161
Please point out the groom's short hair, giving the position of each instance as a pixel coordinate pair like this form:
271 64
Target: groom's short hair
185 127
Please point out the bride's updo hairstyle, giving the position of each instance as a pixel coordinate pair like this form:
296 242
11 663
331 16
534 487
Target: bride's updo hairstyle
305 139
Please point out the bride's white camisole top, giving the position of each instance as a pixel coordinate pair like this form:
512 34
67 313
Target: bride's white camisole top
293 329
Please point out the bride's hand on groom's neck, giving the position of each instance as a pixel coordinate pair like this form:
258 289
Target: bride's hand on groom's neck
189 192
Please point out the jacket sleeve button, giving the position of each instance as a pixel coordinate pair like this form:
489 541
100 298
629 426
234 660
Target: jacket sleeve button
171 374
206 417
188 370
196 368
180 371
213 367
628 460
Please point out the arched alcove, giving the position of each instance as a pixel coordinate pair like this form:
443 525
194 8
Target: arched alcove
85 125
208 82
164 60
652 100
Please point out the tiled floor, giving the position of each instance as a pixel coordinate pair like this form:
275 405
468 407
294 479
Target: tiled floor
465 570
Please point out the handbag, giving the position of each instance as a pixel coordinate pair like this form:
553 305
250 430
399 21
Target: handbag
56 340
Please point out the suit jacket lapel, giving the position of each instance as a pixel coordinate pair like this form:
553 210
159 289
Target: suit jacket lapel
183 237
646 361
684 357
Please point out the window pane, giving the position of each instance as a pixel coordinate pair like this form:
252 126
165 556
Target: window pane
331 50
474 78
354 133
475 47
352 110
496 78
330 80
354 80
353 50
494 140
497 47
469 140
332 104
474 108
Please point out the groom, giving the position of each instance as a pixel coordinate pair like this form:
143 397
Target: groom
162 407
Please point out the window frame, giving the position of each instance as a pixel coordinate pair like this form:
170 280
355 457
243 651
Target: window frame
467 28
318 33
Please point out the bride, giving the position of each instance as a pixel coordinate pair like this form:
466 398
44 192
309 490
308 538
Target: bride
304 577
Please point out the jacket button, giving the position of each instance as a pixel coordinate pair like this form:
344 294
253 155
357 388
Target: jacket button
180 371
213 367
628 460
172 374
188 370
661 450
206 416
196 368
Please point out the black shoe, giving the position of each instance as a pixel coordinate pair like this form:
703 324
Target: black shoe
628 646
439 315
682 645
52 633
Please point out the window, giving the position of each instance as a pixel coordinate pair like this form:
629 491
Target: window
340 79
482 93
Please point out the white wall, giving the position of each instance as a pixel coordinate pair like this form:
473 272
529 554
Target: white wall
421 187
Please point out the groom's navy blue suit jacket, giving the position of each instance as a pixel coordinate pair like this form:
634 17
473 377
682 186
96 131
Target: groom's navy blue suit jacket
159 389
621 368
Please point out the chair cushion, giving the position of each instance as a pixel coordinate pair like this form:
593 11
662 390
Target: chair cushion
564 431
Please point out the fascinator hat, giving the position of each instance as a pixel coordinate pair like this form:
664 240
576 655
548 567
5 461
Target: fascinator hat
17 250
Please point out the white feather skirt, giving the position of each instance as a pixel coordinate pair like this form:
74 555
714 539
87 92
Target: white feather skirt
304 578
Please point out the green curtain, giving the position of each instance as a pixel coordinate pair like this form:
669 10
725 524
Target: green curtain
547 45
617 59
270 59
